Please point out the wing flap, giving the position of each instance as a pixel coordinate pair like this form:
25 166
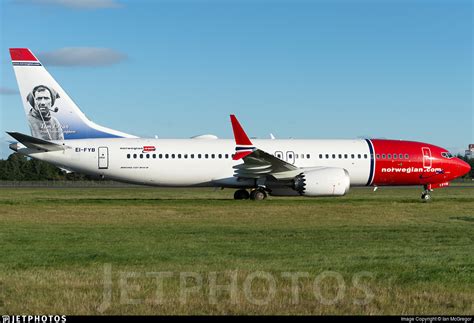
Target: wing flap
252 167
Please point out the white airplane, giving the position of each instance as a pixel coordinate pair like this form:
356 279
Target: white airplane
62 135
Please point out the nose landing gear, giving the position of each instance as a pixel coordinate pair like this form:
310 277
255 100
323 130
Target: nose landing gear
426 196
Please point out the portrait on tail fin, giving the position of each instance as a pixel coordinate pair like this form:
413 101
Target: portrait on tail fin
42 100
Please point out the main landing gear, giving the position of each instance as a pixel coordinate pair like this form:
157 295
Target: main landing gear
426 196
241 195
256 194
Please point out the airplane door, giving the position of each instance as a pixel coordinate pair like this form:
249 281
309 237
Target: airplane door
290 157
103 157
426 157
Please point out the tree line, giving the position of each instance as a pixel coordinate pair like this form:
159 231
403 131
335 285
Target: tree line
20 168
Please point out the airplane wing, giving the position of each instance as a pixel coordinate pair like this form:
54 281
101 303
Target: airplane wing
36 143
256 162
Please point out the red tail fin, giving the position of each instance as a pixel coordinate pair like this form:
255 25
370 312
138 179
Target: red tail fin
243 145
240 136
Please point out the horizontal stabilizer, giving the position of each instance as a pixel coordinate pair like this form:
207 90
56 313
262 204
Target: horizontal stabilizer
36 143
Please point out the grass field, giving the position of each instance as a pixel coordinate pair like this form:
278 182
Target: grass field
100 251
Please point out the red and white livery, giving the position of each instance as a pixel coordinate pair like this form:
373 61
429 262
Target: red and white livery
254 167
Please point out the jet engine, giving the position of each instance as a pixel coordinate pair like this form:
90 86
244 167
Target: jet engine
324 181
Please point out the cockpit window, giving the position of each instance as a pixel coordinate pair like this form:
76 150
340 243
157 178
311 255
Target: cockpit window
446 154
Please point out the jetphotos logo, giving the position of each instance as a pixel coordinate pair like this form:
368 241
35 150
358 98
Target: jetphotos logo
148 149
33 318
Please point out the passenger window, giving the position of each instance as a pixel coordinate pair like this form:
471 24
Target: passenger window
359 156
147 155
160 156
128 155
213 156
365 156
308 156
327 156
134 155
394 156
352 156
220 156
400 156
154 155
383 156
166 156
320 156
199 156
141 155
172 155
333 156
179 155
290 156
389 156
185 156
378 156
407 156
206 156
192 156
345 156
226 156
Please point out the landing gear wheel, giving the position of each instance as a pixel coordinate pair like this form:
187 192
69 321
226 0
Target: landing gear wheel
258 194
425 197
241 195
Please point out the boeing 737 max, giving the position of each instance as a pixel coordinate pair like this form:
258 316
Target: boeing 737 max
62 135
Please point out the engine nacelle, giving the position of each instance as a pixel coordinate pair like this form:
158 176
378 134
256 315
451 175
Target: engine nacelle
324 181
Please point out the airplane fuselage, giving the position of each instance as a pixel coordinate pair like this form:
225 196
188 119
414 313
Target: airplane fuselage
208 162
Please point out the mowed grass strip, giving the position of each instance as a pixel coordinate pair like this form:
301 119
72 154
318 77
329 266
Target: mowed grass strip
381 252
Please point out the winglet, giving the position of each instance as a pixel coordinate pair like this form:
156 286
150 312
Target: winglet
240 136
243 145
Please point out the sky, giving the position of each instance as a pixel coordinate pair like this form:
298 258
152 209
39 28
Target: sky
297 69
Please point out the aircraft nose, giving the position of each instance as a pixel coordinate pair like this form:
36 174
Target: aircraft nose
463 167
